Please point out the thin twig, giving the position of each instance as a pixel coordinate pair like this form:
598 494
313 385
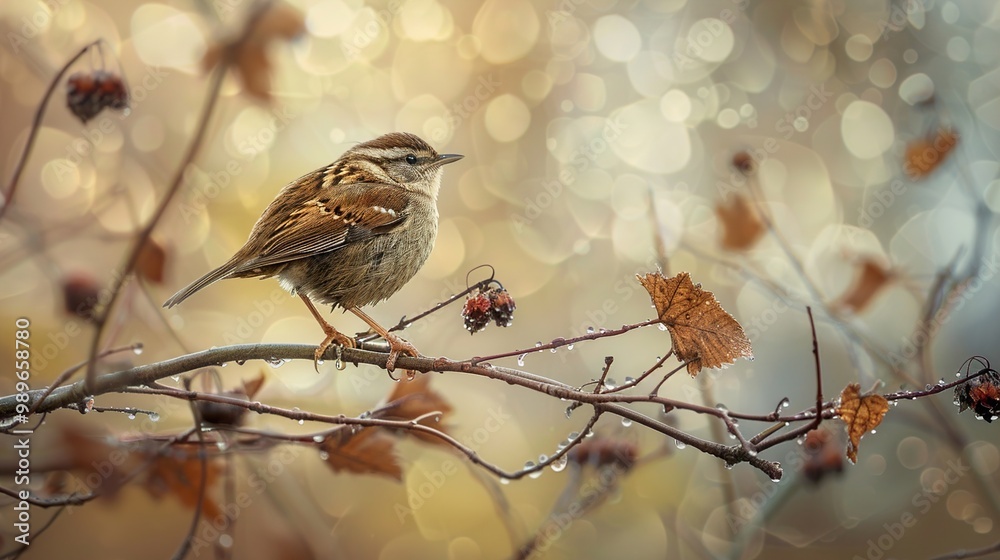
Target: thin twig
36 126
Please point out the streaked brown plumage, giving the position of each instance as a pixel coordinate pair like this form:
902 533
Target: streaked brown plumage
349 234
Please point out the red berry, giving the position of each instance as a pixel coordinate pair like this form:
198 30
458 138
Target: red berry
502 307
476 312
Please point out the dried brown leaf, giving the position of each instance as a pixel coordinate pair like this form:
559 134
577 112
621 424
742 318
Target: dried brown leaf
703 333
870 279
741 224
252 65
178 474
413 399
926 154
368 451
251 387
860 414
152 261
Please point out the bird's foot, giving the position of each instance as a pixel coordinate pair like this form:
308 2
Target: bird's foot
332 336
398 346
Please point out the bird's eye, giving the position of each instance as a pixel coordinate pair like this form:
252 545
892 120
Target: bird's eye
411 159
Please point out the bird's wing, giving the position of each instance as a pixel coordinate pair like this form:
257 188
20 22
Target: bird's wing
328 221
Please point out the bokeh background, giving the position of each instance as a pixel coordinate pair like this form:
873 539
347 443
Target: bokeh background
593 130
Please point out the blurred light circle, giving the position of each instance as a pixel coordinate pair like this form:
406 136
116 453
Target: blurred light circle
508 29
882 73
858 47
640 136
148 133
616 38
155 29
916 88
958 49
675 105
867 130
328 18
912 452
507 118
710 39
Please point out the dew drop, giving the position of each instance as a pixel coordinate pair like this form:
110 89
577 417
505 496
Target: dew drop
873 431
661 326
320 362
131 416
528 465
553 350
154 417
223 364
520 360
629 379
776 480
626 422
537 344
323 455
785 402
542 458
941 381
680 444
318 439
590 330
729 466
137 349
569 347
573 435
559 464
752 452
535 474
176 378
240 362
504 481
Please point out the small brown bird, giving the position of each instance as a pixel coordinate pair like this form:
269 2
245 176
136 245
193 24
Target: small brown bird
347 235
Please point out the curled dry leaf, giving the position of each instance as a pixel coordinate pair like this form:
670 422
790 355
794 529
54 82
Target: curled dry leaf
981 394
860 414
870 279
279 21
703 333
225 414
822 455
604 451
152 261
81 293
368 451
178 473
412 399
741 224
926 154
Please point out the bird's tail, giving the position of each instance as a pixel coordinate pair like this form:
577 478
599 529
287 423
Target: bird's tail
186 292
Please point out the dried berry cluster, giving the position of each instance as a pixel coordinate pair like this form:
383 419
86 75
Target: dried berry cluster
981 394
88 93
490 304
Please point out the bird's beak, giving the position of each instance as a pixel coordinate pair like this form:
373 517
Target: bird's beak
444 159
